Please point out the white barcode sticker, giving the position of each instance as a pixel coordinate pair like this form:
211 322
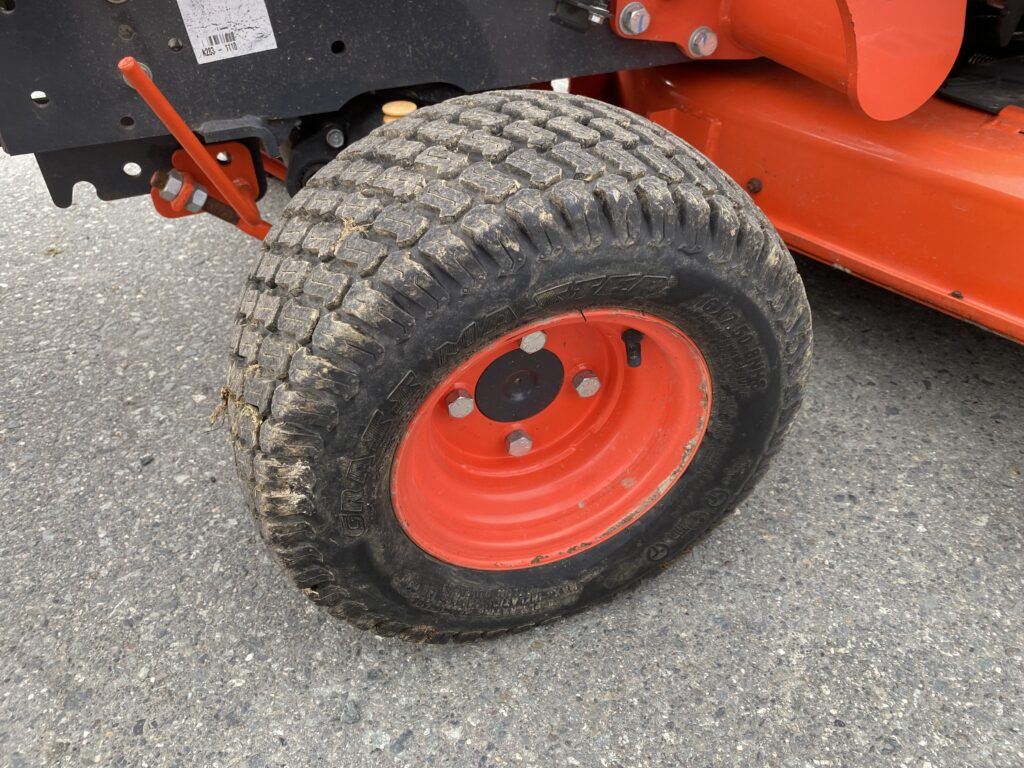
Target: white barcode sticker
223 29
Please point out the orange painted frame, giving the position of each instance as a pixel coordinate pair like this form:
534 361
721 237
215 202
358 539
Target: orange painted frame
930 206
238 167
888 57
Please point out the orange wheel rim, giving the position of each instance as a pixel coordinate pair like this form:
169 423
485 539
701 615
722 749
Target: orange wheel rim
596 461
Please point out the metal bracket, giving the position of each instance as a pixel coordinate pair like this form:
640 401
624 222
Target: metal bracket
209 163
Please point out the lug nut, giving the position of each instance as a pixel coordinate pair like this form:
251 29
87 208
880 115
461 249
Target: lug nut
703 42
518 443
634 19
533 342
586 383
460 403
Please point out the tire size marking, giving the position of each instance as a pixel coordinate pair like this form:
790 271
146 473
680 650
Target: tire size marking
748 357
473 333
355 496
605 285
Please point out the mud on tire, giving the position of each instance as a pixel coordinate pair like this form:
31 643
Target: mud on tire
440 232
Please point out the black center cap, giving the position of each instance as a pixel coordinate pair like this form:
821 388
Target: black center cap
517 385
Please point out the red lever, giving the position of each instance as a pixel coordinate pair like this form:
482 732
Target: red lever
137 77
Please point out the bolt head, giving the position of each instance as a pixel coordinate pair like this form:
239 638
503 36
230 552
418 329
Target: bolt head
335 138
518 443
460 403
533 342
586 383
703 42
634 19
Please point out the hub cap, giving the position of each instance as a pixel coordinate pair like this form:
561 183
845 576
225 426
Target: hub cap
596 463
518 385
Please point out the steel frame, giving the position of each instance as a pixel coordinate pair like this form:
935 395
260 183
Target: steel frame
930 206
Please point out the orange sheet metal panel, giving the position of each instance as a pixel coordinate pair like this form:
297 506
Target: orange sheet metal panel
931 205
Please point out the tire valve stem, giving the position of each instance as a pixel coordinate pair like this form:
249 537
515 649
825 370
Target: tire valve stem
632 338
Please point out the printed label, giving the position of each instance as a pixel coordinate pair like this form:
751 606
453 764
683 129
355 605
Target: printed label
223 29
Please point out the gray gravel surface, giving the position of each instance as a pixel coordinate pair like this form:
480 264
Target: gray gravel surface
863 607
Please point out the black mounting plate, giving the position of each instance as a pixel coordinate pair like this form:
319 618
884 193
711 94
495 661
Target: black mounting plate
326 54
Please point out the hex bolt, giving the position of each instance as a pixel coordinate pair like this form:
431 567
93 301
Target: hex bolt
703 42
197 200
518 443
335 138
460 403
533 342
168 184
634 19
586 383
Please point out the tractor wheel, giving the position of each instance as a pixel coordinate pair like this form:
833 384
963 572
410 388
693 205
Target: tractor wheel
505 357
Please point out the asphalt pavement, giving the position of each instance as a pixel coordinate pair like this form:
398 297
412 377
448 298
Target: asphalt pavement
862 608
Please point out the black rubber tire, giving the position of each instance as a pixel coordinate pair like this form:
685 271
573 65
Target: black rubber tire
440 232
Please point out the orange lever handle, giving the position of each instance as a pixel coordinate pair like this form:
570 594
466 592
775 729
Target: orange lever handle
137 78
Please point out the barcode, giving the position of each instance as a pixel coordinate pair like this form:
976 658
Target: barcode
227 37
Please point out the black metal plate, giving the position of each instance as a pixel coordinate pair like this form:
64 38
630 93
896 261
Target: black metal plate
102 167
69 49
